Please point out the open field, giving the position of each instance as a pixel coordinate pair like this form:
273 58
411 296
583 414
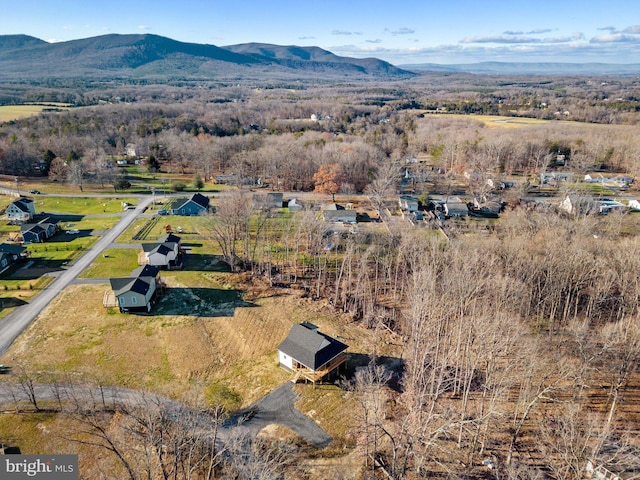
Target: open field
14 112
81 206
205 333
115 262
497 121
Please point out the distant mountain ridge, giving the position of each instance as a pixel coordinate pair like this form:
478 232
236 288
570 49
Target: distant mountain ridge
146 55
529 68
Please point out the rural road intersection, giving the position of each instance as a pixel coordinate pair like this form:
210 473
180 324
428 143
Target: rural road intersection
276 407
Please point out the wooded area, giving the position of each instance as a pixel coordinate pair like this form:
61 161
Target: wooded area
519 338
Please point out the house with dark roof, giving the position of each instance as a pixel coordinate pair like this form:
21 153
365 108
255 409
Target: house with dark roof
37 232
128 295
133 294
197 204
22 209
310 354
10 254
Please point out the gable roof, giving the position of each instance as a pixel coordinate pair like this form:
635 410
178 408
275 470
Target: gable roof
169 238
22 204
36 228
139 285
200 200
161 248
308 346
197 198
146 271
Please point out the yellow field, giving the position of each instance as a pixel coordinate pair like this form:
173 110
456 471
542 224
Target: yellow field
498 121
14 112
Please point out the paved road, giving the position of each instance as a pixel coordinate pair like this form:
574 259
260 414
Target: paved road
278 407
17 321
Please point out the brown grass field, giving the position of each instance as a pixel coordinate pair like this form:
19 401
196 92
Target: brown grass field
15 112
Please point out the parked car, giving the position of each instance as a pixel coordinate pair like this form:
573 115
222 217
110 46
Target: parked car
163 212
34 192
73 231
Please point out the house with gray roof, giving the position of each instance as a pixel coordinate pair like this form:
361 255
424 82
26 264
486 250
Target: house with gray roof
37 232
134 294
197 204
310 354
22 209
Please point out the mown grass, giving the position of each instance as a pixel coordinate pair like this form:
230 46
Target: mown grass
114 262
82 205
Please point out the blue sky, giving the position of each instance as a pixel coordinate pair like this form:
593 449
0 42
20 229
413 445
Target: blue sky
400 31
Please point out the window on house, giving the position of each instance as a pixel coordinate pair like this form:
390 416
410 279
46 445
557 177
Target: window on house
121 300
134 300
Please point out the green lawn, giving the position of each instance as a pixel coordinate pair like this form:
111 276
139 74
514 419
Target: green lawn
79 206
114 262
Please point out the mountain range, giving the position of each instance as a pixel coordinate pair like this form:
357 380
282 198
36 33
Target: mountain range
24 57
146 56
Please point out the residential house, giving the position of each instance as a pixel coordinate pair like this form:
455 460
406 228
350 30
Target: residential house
608 206
553 178
127 289
10 254
268 199
37 232
310 354
408 203
22 209
197 204
134 294
336 213
455 207
163 255
634 205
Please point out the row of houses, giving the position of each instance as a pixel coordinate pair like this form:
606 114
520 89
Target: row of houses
137 292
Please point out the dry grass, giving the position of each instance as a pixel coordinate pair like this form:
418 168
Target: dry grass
229 343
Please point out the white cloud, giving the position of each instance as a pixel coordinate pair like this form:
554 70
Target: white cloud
344 32
377 40
521 39
616 38
632 29
143 27
403 31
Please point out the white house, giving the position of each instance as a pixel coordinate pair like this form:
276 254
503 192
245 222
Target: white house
309 353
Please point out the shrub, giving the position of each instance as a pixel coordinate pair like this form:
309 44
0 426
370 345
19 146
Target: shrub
178 186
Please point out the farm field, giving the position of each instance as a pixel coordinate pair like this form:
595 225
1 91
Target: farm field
14 112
